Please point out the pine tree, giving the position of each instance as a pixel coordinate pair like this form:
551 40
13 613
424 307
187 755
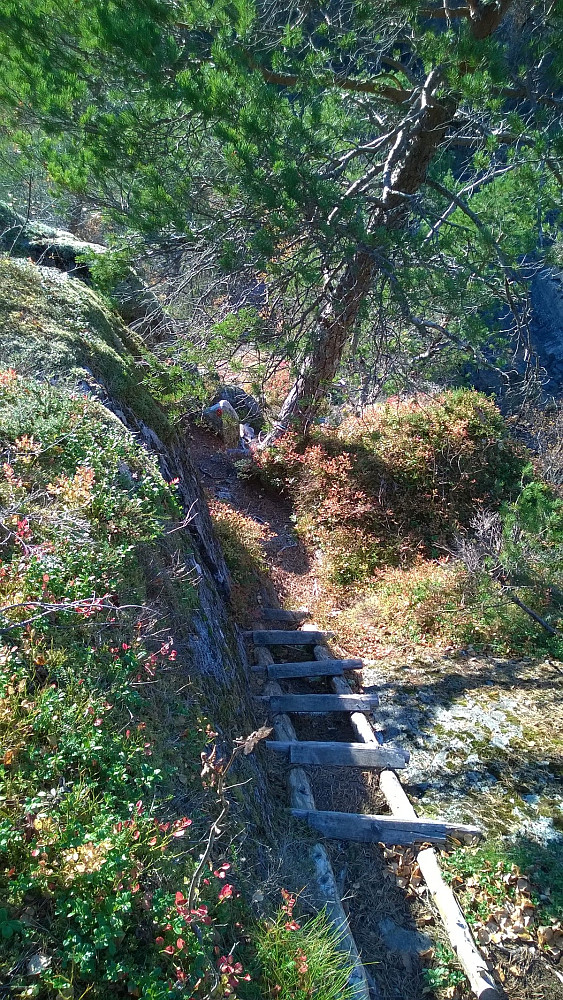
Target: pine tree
387 165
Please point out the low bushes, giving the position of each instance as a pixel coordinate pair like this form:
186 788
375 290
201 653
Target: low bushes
440 603
428 521
92 851
104 814
398 482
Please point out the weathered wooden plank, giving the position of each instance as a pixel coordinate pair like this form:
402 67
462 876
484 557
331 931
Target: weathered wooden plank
282 637
456 926
281 615
302 798
386 829
306 704
310 668
341 754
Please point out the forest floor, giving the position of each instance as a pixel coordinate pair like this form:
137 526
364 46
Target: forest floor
485 737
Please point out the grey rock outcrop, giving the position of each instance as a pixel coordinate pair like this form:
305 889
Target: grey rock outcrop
246 406
401 940
136 304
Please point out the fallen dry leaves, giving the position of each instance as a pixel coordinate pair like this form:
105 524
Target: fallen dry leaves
509 926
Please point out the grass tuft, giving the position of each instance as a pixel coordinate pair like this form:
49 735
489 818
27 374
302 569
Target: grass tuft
300 961
241 539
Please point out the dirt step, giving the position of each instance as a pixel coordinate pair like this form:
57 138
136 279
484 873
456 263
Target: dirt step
342 754
279 637
309 668
386 829
307 704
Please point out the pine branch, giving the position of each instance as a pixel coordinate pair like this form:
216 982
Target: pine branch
394 94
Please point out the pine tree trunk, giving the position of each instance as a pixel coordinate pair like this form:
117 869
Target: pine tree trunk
334 330
404 172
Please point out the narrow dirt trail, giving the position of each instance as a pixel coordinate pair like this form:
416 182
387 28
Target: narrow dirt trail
292 574
388 921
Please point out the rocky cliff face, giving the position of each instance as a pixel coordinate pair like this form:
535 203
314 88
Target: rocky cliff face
57 329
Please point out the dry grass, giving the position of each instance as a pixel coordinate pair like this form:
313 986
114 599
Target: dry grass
242 539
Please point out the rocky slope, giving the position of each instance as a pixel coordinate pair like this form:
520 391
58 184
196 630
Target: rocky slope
120 665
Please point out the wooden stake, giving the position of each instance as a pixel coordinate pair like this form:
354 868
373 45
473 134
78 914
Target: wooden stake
279 637
309 668
390 830
308 704
341 754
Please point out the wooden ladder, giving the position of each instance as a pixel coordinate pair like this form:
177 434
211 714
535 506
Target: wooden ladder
402 826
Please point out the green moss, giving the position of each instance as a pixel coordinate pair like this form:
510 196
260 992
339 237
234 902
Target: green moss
55 327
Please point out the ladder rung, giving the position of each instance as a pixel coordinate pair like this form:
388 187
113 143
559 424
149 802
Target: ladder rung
386 829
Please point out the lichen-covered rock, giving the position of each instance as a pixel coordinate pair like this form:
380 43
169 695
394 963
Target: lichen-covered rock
484 736
57 248
43 244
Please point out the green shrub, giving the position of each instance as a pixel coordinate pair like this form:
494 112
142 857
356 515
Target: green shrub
532 536
444 974
519 870
96 848
107 269
398 482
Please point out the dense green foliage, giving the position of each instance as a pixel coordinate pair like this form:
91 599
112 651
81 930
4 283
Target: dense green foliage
99 748
383 175
268 134
88 827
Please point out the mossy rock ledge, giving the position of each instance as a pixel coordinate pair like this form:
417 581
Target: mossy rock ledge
55 328
59 249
